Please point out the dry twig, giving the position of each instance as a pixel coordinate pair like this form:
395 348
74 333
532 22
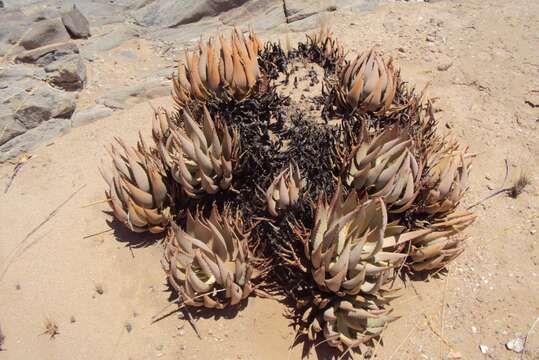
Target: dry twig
514 190
97 233
527 336
16 252
2 339
442 315
18 166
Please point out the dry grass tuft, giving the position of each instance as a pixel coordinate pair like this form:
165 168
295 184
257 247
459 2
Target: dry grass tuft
51 328
519 185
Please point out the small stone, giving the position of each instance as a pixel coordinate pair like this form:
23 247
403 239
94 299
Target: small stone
474 330
444 67
76 24
128 327
72 319
99 289
516 345
17 286
183 347
181 332
483 349
401 50
533 231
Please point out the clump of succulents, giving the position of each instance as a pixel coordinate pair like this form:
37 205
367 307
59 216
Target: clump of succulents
323 200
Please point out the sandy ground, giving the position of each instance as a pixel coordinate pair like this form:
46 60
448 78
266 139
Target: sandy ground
481 59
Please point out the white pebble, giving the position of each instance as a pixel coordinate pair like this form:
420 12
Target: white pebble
516 345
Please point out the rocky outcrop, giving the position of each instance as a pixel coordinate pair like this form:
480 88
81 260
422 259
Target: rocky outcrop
44 67
43 33
172 13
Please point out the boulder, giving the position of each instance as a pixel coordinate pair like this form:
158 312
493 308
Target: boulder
43 33
68 72
25 142
33 108
172 13
47 54
91 114
13 24
76 24
9 125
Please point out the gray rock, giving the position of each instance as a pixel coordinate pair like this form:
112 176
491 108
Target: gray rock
25 142
44 33
109 41
44 13
263 14
9 125
76 24
103 12
13 24
21 83
44 103
68 72
47 54
1 4
300 9
17 72
89 115
172 13
120 98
